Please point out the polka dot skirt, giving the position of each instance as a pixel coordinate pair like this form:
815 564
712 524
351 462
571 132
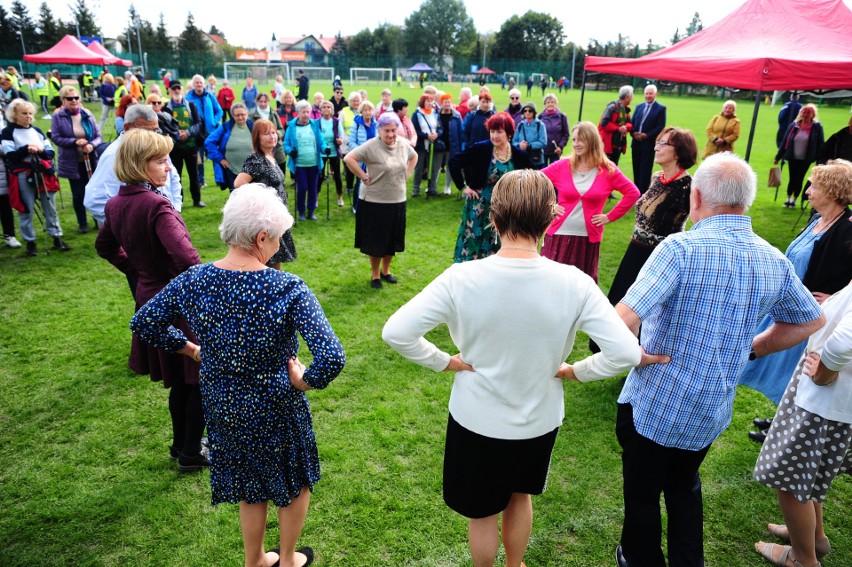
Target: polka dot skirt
803 452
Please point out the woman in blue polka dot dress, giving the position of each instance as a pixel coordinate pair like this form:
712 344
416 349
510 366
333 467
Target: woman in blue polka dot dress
246 318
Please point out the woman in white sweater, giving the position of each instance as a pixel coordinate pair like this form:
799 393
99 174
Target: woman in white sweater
513 316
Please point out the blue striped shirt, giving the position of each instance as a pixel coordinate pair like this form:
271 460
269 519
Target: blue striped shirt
700 296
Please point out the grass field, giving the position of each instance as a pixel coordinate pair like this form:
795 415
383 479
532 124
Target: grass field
85 476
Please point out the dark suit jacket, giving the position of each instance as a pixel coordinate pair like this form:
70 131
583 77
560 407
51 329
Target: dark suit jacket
653 125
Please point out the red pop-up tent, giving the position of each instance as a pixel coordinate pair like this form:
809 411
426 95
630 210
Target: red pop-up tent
764 45
99 49
70 51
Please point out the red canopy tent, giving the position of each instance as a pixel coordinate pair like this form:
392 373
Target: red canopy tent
764 45
485 71
97 48
69 50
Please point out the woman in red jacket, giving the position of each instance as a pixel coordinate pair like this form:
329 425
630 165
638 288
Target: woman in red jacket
583 183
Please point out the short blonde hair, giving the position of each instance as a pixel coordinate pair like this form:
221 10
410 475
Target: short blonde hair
137 148
522 204
250 209
835 180
368 104
63 92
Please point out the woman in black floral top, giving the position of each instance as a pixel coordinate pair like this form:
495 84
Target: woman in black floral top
261 167
662 210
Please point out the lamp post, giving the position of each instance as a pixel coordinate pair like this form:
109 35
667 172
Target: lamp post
136 24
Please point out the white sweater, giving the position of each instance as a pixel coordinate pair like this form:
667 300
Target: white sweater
834 343
514 321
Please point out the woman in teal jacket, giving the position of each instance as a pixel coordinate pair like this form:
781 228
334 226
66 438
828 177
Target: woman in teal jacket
304 143
531 135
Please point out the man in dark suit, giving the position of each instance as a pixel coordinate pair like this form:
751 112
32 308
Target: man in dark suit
649 119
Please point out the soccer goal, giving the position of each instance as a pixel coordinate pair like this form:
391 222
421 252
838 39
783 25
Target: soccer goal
262 72
321 74
536 77
369 75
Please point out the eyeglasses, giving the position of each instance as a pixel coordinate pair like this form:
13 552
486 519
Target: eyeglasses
515 97
531 111
72 98
661 143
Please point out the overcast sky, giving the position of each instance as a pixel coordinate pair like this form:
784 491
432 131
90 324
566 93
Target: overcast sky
581 20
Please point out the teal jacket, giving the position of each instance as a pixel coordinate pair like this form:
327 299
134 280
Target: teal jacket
291 144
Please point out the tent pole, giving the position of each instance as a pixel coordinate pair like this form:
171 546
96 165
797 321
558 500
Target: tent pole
582 96
753 123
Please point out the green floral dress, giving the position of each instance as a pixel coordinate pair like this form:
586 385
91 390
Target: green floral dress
477 238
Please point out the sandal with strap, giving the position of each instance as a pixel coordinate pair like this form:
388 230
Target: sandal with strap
821 547
786 555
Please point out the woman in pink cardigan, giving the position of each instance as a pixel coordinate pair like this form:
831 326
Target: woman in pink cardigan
583 183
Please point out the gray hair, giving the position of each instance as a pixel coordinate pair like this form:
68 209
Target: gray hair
388 118
237 106
652 88
250 209
550 96
139 113
192 80
302 104
725 180
465 91
514 92
12 109
732 103
625 92
353 94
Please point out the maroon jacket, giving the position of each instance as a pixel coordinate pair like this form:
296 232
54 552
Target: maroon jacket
145 238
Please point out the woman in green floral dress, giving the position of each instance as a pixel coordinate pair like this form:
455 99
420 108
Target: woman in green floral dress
475 171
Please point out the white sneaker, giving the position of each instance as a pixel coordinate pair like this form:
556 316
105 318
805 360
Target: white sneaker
47 117
340 201
12 242
448 191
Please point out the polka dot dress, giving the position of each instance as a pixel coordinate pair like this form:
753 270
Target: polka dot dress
803 452
262 444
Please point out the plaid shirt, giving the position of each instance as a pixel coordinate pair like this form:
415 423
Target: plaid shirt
700 296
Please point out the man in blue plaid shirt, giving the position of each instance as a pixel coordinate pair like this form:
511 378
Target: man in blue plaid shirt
699 298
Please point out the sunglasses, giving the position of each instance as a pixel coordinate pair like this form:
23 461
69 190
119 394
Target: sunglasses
157 102
515 97
528 110
72 98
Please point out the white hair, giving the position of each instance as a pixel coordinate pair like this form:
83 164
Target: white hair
625 91
732 103
725 180
12 109
514 92
353 94
250 209
301 105
192 80
652 88
549 96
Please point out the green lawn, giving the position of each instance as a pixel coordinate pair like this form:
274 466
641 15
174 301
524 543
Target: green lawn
85 477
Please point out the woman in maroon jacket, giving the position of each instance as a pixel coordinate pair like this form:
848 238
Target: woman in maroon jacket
145 238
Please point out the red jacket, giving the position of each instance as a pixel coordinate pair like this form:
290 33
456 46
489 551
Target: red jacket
608 128
226 97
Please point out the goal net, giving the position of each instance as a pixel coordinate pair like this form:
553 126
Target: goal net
321 74
262 72
370 75
536 77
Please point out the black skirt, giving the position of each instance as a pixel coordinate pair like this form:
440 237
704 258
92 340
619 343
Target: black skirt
481 473
631 264
380 228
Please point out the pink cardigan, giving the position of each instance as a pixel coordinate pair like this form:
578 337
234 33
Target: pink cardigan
594 199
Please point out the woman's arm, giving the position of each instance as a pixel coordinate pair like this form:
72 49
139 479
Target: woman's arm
108 248
735 132
630 194
153 323
175 239
242 179
328 355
